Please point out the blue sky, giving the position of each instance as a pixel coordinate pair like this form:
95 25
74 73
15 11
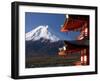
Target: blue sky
54 22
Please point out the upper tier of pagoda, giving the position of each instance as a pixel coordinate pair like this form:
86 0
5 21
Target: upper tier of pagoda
75 22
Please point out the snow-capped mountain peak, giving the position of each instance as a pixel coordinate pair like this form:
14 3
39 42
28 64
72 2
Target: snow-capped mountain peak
41 32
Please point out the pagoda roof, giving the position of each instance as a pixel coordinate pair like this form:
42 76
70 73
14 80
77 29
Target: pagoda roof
74 22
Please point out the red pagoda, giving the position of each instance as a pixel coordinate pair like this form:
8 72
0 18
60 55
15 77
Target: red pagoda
77 23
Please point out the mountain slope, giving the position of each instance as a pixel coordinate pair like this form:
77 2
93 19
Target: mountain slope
38 48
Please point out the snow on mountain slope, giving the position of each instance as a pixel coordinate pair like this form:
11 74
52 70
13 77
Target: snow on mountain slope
41 32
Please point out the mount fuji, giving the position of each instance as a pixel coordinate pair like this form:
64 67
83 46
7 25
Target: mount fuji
41 32
41 41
